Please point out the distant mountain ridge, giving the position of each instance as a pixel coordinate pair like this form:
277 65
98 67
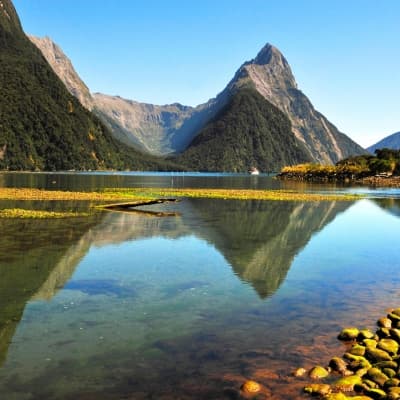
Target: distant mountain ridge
389 142
170 129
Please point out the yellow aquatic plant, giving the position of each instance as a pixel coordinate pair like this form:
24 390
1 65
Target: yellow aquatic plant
143 194
38 214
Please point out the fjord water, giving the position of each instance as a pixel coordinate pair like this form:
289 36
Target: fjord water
133 306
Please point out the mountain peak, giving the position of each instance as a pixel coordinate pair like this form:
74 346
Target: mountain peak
269 54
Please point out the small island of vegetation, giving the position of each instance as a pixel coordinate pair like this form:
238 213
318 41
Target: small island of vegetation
383 168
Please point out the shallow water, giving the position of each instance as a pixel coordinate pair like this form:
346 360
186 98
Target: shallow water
131 306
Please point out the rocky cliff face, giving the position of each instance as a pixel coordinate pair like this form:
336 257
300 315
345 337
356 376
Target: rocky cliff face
270 74
171 128
389 142
63 67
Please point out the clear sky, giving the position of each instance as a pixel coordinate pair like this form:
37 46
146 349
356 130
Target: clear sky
345 54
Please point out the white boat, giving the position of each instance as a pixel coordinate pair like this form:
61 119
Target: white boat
254 171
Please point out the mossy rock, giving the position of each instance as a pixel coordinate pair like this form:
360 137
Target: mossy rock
347 383
357 350
336 396
376 375
321 389
396 311
393 393
359 398
362 371
393 382
377 394
383 333
369 383
386 364
370 342
395 334
348 334
318 372
377 355
338 364
357 362
384 322
365 334
394 317
388 345
389 372
362 387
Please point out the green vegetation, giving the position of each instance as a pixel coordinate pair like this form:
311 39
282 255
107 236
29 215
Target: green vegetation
385 161
236 194
38 214
147 194
44 127
248 131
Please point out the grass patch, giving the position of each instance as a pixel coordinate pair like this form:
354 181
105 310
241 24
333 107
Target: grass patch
38 214
146 194
236 194
39 194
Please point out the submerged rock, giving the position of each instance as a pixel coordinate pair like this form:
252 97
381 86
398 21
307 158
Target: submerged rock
251 387
318 372
338 364
300 372
370 367
321 389
347 383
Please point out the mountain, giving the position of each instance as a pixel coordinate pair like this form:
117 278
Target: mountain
270 74
44 127
389 142
166 129
247 131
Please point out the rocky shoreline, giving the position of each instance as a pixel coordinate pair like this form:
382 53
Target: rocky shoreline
378 181
369 369
374 181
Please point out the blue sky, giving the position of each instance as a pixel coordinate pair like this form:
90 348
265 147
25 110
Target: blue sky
345 55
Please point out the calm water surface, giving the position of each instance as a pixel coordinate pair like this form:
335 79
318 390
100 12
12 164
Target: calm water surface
132 306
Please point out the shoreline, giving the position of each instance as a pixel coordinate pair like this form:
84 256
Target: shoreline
374 181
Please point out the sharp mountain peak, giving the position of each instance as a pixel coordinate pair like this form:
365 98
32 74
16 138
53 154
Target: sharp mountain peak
270 54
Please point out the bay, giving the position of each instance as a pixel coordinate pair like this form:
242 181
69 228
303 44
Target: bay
132 306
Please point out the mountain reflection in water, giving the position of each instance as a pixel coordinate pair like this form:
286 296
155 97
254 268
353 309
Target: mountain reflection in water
259 240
